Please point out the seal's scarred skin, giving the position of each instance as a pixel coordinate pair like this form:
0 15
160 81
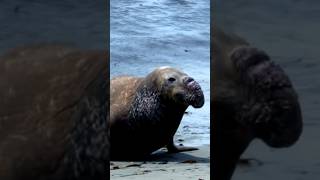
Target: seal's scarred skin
146 112
252 98
53 113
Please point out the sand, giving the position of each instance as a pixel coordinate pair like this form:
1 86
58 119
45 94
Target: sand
162 165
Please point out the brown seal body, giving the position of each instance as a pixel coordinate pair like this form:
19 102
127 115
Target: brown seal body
53 113
252 98
146 112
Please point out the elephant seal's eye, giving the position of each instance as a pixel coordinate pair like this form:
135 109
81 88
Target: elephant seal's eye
171 79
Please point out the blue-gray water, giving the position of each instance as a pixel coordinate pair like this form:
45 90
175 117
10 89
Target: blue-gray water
289 31
79 22
146 34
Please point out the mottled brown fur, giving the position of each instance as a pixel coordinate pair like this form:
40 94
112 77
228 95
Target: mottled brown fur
53 107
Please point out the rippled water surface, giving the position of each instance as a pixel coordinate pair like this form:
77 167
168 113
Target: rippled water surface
146 34
77 22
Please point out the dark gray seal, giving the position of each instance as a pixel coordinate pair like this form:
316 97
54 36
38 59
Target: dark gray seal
252 98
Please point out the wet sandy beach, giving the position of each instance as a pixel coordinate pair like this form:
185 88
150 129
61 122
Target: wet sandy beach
180 166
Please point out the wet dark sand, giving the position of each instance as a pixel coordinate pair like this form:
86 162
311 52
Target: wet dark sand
161 165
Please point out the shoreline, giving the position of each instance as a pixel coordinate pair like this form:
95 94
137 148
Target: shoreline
161 165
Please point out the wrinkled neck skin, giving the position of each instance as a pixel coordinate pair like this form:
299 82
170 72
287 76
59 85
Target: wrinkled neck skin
149 109
88 154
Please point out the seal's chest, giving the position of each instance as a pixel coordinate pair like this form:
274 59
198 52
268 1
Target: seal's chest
161 133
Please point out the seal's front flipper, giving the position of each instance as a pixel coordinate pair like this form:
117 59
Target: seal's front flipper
172 148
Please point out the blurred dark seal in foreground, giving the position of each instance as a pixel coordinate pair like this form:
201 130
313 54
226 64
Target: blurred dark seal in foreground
252 98
53 113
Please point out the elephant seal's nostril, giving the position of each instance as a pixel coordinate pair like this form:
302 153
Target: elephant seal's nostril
187 80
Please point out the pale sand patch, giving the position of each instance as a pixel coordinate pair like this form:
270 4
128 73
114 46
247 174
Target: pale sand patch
186 165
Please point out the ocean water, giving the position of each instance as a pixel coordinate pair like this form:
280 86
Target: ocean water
78 22
288 31
146 34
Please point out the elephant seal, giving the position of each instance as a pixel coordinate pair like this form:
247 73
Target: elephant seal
146 112
53 113
252 98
